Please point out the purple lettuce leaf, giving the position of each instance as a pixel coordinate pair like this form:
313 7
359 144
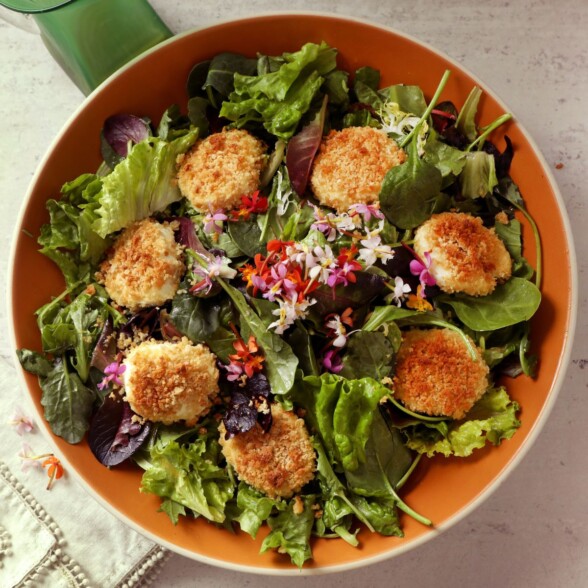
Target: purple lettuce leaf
114 435
302 149
119 129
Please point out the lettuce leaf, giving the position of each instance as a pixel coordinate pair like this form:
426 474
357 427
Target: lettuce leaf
140 185
189 475
255 508
492 419
290 532
68 239
278 99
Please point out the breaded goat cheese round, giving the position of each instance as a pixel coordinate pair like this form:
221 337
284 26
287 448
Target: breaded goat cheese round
350 166
167 382
465 255
144 267
220 169
279 462
437 375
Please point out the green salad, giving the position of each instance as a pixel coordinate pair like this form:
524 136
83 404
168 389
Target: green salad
286 293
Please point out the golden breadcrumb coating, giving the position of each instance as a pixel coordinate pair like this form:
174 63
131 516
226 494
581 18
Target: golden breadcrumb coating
350 166
167 382
279 462
218 170
465 255
144 267
436 375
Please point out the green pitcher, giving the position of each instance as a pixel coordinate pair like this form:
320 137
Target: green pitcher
91 39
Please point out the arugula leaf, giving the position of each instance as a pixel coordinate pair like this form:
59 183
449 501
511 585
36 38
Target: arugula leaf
466 120
68 403
290 532
141 185
409 98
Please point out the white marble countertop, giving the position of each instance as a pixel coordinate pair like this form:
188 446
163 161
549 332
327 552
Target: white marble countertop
533 531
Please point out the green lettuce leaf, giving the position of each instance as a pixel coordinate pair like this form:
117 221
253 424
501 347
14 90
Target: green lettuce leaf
255 508
278 99
290 532
141 185
68 239
189 475
492 419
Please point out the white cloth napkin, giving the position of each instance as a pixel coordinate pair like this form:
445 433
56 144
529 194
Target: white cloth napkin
60 537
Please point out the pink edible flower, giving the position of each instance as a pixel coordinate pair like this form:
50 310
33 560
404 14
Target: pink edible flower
20 421
332 362
367 211
111 374
211 221
29 459
420 268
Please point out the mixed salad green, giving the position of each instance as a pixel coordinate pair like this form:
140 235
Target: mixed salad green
322 296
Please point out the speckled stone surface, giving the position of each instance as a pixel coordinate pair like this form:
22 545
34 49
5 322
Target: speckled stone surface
533 531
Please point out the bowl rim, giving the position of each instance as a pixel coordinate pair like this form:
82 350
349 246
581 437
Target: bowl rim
559 376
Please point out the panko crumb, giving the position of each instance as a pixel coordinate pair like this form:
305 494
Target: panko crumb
465 255
144 267
351 165
278 463
298 507
436 375
168 382
218 170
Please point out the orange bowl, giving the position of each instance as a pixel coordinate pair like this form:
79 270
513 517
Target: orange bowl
443 489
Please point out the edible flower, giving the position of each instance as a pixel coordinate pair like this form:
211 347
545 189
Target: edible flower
367 211
421 268
400 290
418 302
112 373
212 220
54 469
332 361
246 361
29 459
253 204
20 421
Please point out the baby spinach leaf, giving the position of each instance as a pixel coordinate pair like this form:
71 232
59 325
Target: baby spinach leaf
299 339
368 76
510 303
369 355
409 98
386 461
411 192
34 362
341 411
381 514
68 403
246 235
222 70
203 320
